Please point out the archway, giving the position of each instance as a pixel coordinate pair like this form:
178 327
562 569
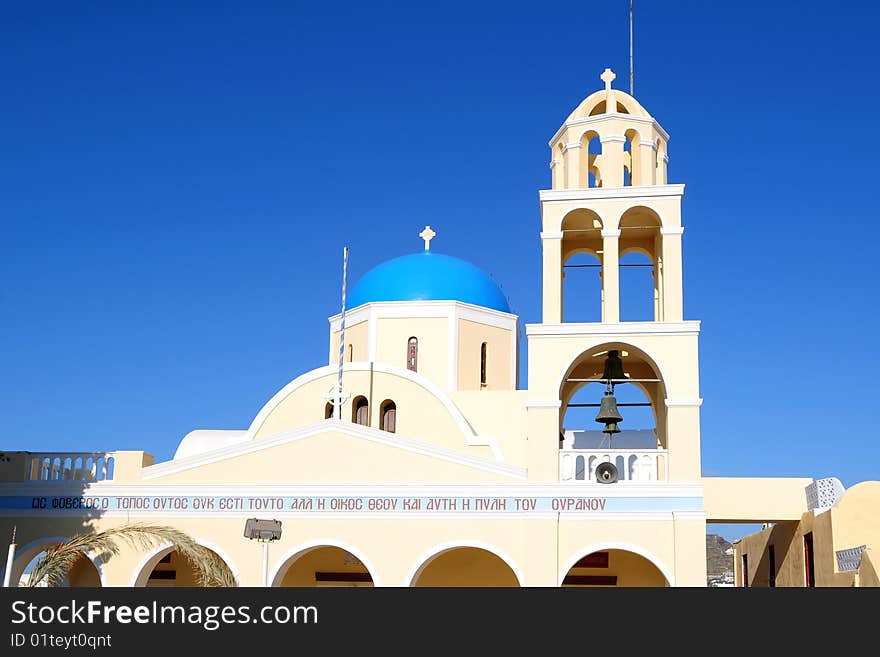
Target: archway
166 567
85 572
323 565
614 567
465 567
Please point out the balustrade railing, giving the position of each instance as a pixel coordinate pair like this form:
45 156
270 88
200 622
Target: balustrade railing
641 465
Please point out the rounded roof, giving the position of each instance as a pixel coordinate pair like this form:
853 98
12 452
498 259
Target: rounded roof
428 276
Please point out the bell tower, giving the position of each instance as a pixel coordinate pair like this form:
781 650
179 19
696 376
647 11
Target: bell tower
609 197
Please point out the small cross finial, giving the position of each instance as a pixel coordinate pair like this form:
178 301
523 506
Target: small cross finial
427 235
608 77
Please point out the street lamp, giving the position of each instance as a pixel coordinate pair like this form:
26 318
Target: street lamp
264 531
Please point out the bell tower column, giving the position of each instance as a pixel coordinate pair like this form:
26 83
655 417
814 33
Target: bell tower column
610 276
647 160
552 248
671 278
571 152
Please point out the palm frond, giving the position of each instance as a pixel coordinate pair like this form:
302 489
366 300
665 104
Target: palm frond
60 558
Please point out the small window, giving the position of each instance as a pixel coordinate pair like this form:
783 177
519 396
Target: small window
483 365
412 354
350 353
361 411
809 564
745 571
389 416
771 559
328 411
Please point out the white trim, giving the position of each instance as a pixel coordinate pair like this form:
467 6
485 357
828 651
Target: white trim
543 404
424 308
614 545
599 118
689 327
429 555
294 553
648 142
350 429
675 230
610 233
665 157
683 402
372 339
470 436
643 192
452 350
444 489
570 145
552 235
608 138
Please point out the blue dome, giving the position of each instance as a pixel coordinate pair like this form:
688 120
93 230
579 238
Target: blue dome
428 276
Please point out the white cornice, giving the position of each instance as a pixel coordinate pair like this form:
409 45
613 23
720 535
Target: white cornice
610 233
690 327
644 192
601 118
670 403
284 489
423 308
552 235
607 138
675 230
648 142
570 145
326 426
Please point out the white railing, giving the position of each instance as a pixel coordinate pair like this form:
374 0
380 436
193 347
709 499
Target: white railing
632 464
70 466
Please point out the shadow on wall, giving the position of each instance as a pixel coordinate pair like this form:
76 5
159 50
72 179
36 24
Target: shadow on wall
44 504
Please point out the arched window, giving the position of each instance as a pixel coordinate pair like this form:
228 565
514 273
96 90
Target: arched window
360 411
412 354
328 411
389 416
350 353
483 365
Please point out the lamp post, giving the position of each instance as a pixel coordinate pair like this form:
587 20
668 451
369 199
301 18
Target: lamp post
264 531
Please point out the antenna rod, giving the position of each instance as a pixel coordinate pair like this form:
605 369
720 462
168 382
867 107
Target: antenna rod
631 89
337 412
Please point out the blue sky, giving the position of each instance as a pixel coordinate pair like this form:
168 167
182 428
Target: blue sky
177 181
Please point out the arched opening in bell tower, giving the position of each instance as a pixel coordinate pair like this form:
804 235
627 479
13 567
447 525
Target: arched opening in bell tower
590 174
582 267
639 246
636 447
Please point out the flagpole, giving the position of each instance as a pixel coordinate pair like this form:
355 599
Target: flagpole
337 411
631 89
10 559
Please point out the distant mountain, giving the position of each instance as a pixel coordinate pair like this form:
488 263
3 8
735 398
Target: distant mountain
719 559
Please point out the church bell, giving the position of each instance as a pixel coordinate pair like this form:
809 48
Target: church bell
613 367
608 413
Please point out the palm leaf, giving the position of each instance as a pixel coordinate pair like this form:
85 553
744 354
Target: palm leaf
60 558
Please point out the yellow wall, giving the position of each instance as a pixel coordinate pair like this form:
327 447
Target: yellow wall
466 567
499 344
432 333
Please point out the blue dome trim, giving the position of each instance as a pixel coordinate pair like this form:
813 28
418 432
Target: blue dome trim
431 277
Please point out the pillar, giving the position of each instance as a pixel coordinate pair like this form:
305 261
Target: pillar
610 276
571 153
672 302
647 158
552 288
612 160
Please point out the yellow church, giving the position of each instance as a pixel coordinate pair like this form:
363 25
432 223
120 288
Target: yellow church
413 458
